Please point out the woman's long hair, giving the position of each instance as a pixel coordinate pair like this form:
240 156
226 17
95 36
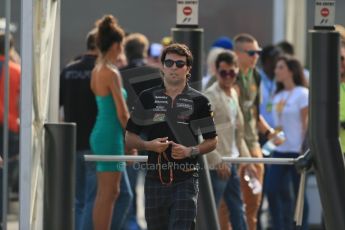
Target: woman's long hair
296 68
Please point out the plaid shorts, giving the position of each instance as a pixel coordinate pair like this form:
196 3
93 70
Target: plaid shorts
172 206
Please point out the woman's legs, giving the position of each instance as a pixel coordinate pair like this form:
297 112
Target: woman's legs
108 189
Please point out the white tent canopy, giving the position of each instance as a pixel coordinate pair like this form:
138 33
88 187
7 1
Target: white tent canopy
39 101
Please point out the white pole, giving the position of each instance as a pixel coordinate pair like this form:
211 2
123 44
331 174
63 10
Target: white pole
26 113
283 161
115 158
278 21
249 160
5 125
53 110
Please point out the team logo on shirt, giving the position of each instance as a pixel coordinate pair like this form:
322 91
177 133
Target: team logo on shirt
158 117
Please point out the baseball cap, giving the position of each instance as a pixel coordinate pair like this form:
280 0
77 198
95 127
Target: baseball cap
223 42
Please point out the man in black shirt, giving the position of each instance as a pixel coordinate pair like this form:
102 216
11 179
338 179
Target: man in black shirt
79 106
137 76
172 116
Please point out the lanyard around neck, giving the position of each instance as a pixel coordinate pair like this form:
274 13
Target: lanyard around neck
281 105
246 79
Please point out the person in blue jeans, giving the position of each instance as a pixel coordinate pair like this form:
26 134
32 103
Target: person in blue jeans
229 125
281 200
290 115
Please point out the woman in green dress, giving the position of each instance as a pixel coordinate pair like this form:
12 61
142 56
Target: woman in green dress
107 135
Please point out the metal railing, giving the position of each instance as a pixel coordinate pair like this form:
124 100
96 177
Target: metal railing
298 162
239 160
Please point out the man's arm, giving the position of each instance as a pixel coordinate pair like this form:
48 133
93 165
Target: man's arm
179 151
265 129
134 141
207 145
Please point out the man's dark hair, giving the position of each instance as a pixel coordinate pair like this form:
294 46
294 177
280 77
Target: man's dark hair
91 39
136 46
269 52
228 57
2 43
179 49
286 47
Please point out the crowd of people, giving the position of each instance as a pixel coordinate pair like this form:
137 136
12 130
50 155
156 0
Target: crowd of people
138 102
128 96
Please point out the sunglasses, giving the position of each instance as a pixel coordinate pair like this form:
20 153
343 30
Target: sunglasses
179 64
231 73
251 53
342 58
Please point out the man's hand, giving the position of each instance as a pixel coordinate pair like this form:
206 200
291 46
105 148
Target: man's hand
278 141
157 145
223 170
277 138
179 152
251 170
133 152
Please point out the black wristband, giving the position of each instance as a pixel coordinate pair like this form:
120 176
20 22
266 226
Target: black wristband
268 132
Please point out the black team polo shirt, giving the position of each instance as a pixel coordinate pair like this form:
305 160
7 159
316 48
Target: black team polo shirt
155 115
77 98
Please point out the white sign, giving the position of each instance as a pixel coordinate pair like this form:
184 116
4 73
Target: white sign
187 12
324 13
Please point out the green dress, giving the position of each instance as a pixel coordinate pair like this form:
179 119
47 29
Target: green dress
107 134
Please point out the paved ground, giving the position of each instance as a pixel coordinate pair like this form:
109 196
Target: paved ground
13 216
314 215
13 224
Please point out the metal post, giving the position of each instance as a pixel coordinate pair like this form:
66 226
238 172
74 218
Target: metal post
187 32
324 115
25 161
59 176
5 120
300 199
278 20
54 83
194 39
324 125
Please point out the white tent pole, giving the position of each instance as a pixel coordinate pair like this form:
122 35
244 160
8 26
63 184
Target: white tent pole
278 20
53 110
5 125
26 113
